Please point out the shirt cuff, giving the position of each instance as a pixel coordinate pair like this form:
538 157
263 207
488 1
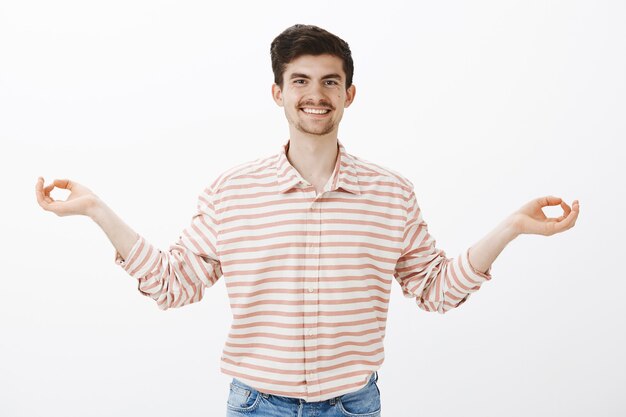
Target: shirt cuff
141 259
477 275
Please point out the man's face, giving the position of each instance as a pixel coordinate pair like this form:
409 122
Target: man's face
314 94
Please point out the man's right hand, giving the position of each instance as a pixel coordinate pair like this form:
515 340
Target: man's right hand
81 201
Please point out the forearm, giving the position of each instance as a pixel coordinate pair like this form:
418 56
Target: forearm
119 233
484 252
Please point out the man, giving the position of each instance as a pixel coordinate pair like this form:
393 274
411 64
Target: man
308 241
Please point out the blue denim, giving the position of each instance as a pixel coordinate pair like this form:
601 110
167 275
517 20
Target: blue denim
243 400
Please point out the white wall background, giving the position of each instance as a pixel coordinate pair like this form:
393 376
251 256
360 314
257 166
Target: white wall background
484 105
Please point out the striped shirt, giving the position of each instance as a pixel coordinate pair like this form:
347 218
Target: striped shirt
308 275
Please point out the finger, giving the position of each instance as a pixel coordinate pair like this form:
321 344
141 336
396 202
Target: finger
574 213
549 200
575 209
566 211
42 199
568 222
47 189
63 183
38 190
46 192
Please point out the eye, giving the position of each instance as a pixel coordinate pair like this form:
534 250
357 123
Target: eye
332 82
298 81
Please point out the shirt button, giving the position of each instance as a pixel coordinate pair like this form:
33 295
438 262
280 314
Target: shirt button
311 290
310 332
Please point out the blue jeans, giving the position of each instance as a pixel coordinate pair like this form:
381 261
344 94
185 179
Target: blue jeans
243 400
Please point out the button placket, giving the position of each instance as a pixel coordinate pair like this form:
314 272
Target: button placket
311 295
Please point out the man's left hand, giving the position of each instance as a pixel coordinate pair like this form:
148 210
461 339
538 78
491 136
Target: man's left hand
530 219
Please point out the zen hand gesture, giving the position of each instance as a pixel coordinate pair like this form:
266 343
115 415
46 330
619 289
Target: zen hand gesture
80 201
530 219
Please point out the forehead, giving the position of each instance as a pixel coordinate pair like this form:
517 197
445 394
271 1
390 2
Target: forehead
315 65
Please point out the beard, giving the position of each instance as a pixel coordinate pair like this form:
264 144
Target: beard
315 129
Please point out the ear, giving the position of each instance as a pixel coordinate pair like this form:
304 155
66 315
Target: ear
350 93
277 94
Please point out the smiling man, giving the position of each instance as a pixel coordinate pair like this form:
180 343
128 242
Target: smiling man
309 241
313 83
309 111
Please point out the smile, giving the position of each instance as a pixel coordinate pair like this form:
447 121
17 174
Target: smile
316 112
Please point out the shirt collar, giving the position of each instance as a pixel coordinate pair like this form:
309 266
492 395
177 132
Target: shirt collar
344 176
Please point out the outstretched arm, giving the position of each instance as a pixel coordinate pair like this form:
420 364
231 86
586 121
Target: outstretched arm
529 219
82 201
173 278
439 283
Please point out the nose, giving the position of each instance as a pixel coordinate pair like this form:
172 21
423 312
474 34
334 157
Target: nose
315 91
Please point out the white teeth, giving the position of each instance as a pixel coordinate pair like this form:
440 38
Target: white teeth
315 111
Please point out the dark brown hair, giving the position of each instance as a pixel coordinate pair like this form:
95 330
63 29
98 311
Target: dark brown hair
300 40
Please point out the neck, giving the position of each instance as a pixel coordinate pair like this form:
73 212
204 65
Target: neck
314 157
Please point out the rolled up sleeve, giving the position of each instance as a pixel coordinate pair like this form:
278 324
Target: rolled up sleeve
178 276
438 283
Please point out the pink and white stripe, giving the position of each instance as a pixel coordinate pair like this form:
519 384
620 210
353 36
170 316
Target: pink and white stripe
308 276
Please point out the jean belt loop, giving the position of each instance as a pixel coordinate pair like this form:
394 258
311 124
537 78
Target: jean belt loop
376 376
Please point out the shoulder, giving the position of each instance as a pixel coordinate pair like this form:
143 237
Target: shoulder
257 170
236 178
371 172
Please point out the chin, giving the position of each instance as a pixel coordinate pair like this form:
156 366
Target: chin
315 132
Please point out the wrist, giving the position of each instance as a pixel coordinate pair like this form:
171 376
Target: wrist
96 209
511 226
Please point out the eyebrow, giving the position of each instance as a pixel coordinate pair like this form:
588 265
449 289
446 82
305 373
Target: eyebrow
301 75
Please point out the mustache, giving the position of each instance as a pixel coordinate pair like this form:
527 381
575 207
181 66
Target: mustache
320 104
